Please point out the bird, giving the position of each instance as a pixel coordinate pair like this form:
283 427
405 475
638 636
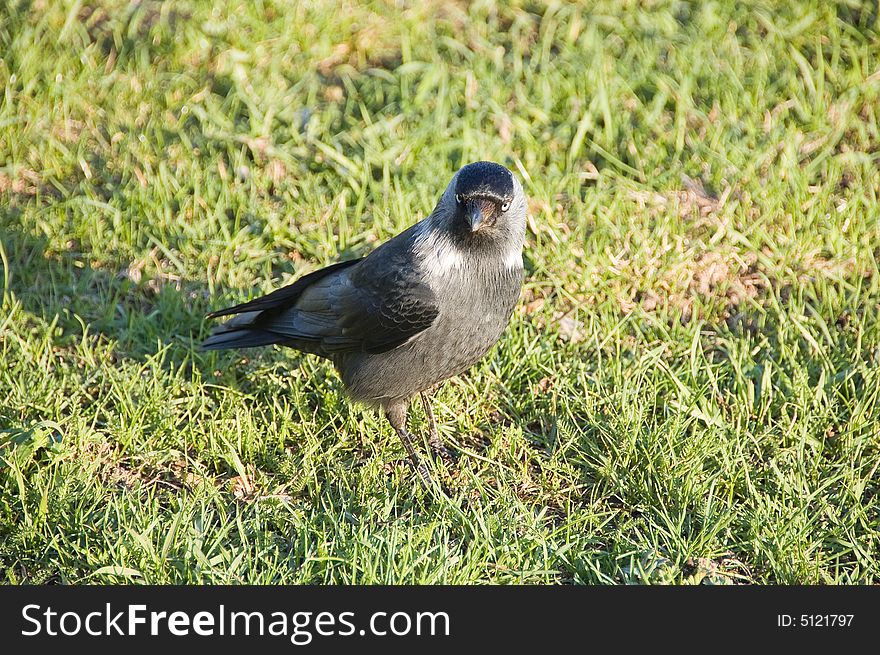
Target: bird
421 308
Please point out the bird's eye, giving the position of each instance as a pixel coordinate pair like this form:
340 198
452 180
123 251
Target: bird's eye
505 206
458 198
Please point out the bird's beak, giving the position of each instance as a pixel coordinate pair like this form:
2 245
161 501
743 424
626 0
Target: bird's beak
476 214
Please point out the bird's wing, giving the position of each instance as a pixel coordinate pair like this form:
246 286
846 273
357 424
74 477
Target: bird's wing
285 296
371 307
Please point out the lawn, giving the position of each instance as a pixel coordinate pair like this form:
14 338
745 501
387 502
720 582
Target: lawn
688 392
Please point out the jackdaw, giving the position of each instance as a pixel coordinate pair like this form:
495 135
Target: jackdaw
419 309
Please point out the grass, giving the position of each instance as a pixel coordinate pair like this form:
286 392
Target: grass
688 391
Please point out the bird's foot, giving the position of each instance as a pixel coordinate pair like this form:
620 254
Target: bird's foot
424 473
414 459
442 451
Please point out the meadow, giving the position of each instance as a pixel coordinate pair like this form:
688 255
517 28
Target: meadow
687 392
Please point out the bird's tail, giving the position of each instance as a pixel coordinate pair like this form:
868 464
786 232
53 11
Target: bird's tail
239 338
240 332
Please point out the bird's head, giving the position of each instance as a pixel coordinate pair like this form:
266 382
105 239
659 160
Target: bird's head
487 205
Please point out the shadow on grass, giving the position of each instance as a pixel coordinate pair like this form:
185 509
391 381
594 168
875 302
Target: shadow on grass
65 295
117 300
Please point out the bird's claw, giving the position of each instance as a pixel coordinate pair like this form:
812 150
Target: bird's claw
442 451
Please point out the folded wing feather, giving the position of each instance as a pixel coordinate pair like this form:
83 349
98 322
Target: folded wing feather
370 305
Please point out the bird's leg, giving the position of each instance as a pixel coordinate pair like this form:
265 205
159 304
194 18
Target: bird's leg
396 415
434 441
417 463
